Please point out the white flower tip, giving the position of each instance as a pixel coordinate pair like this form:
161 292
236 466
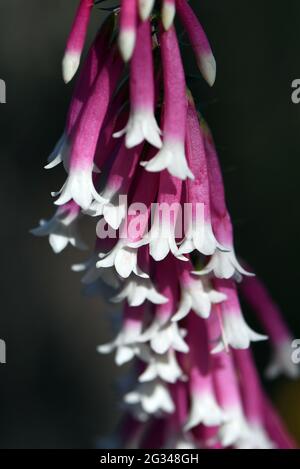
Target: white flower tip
126 42
205 410
80 188
168 14
145 8
70 65
208 67
170 157
53 162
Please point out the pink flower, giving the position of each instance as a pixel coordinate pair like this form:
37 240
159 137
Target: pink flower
164 242
223 262
168 13
172 155
76 39
236 332
198 230
127 33
79 185
142 124
202 50
62 228
92 65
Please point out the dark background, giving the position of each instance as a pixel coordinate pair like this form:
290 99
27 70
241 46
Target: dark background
55 390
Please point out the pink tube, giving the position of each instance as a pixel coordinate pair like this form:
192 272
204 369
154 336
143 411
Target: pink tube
127 27
200 44
95 59
76 39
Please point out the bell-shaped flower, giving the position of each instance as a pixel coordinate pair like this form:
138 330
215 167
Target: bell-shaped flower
79 184
172 154
204 408
223 262
92 66
236 332
127 344
196 294
142 124
198 229
162 366
62 228
118 184
153 397
167 219
137 290
124 256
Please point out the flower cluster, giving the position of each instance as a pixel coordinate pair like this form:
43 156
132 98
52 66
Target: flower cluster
134 136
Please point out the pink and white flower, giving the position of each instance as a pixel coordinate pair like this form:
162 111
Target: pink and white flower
62 228
236 332
127 344
137 290
124 255
198 230
162 366
127 28
79 185
204 407
166 220
118 184
174 318
142 124
223 263
92 65
145 8
168 11
172 154
76 39
196 294
199 42
153 397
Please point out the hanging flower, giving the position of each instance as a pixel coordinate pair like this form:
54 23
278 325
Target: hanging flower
164 236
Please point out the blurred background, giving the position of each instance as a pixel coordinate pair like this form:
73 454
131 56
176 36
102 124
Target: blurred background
55 390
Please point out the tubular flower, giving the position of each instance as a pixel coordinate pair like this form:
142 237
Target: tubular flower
76 39
164 237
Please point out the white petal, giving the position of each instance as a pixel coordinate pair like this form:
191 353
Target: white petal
70 65
205 410
168 14
126 42
208 67
170 157
79 187
145 8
